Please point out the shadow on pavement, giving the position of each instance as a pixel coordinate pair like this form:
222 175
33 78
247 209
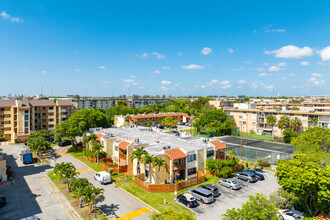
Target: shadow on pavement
109 210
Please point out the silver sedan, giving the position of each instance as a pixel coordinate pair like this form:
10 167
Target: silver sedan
230 183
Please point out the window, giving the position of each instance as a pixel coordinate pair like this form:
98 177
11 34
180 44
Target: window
2 109
253 123
26 117
182 160
192 171
210 153
191 157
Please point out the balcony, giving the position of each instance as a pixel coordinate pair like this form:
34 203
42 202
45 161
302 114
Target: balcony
63 110
122 156
7 112
50 117
51 111
177 167
7 125
7 132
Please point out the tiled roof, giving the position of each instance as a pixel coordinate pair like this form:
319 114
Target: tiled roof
123 145
158 116
99 136
218 145
64 102
322 216
42 103
7 103
176 154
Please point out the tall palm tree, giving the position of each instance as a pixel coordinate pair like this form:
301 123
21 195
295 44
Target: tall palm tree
90 139
97 147
148 159
138 154
89 195
296 124
159 162
77 186
271 120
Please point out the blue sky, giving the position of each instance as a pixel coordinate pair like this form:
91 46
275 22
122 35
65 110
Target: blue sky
105 48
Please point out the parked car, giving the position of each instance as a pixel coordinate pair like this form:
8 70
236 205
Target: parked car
26 156
64 143
230 183
182 123
213 189
3 201
203 195
258 175
246 176
50 139
290 214
187 200
103 177
31 218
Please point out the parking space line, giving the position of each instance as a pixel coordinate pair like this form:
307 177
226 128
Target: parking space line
81 171
134 214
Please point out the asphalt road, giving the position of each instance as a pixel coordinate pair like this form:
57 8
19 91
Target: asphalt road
29 195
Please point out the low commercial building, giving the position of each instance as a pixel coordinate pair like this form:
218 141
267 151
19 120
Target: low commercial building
255 119
185 155
148 119
20 118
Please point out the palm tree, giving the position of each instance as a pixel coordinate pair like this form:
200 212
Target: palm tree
148 159
89 195
138 154
78 185
66 171
90 139
97 147
314 121
159 162
284 122
271 120
296 124
198 126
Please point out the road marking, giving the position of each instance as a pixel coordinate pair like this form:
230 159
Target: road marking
134 214
81 171
58 196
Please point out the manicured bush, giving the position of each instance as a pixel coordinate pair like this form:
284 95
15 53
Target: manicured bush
102 154
216 166
280 201
263 162
226 172
2 139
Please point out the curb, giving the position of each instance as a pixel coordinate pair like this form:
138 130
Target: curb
137 198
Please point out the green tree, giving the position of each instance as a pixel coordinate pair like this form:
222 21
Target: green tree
306 181
197 125
66 171
271 120
314 121
288 134
169 214
169 122
284 122
89 139
38 143
294 108
148 160
97 146
77 186
90 194
295 123
159 163
121 102
138 154
258 207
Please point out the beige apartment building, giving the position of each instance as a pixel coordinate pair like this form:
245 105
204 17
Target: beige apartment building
20 118
184 156
222 103
255 119
304 106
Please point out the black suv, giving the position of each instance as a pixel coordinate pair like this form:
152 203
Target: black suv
64 143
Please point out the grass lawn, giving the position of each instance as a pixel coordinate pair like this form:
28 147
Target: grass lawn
255 164
77 153
205 134
258 136
92 165
83 212
156 200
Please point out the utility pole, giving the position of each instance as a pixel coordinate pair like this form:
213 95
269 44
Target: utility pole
241 143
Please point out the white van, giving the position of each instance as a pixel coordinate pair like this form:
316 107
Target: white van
103 177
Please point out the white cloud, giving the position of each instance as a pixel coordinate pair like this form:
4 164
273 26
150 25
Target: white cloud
254 85
143 55
314 82
304 63
101 67
224 82
203 86
192 67
226 86
44 71
180 54
263 74
247 62
266 64
241 82
206 50
128 80
6 16
325 53
106 82
156 72
320 63
166 83
77 70
283 78
132 76
261 69
268 86
231 50
316 75
158 55
291 74
238 69
212 82
134 83
292 51
163 88
294 87
275 30
281 64
166 67
274 69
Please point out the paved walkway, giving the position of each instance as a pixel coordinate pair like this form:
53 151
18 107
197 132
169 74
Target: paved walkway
116 202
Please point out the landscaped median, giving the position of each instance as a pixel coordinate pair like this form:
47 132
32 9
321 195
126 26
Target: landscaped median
160 201
84 211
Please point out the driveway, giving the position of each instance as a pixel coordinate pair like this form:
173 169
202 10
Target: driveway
29 195
235 198
116 203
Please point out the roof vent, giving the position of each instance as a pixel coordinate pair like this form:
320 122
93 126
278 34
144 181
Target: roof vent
164 148
168 147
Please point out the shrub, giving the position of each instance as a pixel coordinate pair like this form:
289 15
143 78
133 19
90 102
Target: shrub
71 150
102 154
110 170
216 166
226 172
2 139
263 162
280 201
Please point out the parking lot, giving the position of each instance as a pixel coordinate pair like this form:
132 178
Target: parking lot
229 199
